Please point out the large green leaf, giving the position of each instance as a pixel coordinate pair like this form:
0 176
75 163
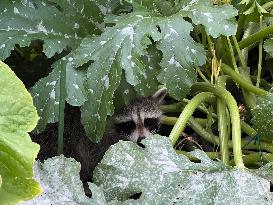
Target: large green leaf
17 117
180 54
59 177
163 177
60 25
218 20
128 41
263 117
46 91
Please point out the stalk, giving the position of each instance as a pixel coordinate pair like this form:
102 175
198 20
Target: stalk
223 123
61 110
214 139
187 113
241 81
234 113
256 37
260 55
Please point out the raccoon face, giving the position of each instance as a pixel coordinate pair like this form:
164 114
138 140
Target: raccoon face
141 118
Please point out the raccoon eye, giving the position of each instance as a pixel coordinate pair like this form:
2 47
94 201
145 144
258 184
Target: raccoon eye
126 128
152 124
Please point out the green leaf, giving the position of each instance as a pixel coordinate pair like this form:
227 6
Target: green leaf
127 41
59 177
217 20
124 94
180 54
46 91
263 116
23 21
268 46
164 177
17 116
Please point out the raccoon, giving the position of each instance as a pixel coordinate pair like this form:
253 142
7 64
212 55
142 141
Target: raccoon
134 122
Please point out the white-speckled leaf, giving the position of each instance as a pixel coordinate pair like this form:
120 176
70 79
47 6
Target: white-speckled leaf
59 177
46 91
163 177
263 117
218 20
58 26
268 46
119 47
180 54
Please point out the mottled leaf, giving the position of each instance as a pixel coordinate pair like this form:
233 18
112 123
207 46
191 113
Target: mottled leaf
180 54
17 152
163 177
60 25
119 47
268 46
263 117
59 177
217 20
46 92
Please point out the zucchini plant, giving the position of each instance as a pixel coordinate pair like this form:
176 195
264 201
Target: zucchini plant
205 52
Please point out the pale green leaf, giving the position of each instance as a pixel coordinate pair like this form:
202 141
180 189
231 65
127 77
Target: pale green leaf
263 117
119 47
217 20
268 46
59 25
17 117
163 177
46 92
59 177
180 56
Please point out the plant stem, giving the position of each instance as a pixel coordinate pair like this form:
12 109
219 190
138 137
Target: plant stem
241 57
241 81
255 157
211 155
61 110
214 139
234 113
186 114
260 55
223 123
256 37
232 55
201 74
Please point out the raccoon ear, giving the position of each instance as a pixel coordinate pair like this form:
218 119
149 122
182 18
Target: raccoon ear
159 95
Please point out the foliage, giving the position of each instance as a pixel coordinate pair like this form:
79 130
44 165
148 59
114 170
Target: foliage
18 116
161 175
111 51
127 43
59 177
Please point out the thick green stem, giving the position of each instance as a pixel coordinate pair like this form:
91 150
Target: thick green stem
223 123
211 155
241 81
61 111
234 113
256 37
215 140
256 157
187 113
